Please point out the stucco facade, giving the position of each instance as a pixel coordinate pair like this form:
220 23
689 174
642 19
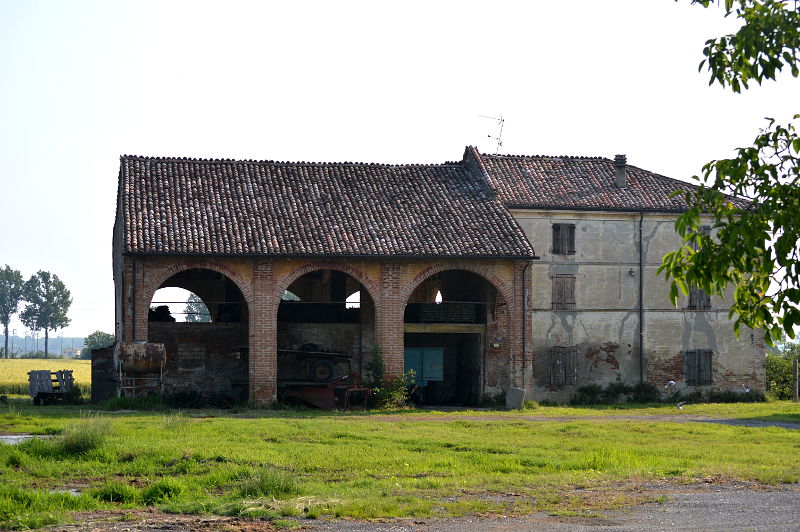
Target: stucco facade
603 329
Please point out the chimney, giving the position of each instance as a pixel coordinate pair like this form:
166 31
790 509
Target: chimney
620 163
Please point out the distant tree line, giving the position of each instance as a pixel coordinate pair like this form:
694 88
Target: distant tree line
46 303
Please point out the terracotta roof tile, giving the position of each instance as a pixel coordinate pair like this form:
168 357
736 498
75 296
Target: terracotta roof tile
178 205
580 183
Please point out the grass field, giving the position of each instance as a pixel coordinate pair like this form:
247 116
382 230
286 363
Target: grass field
14 373
303 465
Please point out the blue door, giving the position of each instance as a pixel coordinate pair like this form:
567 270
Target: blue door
427 363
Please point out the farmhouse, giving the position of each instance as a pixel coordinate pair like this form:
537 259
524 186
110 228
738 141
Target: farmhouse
484 274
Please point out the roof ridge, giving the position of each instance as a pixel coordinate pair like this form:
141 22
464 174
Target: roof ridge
578 157
200 160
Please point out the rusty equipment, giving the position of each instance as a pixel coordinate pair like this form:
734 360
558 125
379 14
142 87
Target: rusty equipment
140 368
338 393
48 387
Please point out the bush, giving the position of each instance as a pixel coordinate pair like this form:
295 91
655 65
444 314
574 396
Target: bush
84 436
393 392
162 490
735 397
588 395
614 391
780 373
497 400
115 492
266 482
645 392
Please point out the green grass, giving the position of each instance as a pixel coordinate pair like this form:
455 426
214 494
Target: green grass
285 466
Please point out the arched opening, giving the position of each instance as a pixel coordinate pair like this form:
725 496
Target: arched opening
323 333
201 317
451 323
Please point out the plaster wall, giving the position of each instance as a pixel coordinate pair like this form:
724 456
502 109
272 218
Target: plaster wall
604 326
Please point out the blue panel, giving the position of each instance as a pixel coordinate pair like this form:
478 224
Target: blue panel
413 360
433 364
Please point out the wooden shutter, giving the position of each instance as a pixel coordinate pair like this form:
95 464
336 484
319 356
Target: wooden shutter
699 299
704 362
692 367
571 366
557 367
563 292
557 239
563 239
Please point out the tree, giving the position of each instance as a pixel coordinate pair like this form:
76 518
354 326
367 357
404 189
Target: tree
11 290
48 303
96 340
196 310
754 245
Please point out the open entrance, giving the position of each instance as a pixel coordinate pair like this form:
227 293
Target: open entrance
446 336
201 317
326 330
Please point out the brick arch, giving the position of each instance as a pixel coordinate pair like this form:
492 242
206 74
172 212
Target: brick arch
355 273
482 271
155 278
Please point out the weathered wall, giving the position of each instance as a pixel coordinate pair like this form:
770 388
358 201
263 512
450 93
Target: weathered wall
208 358
604 326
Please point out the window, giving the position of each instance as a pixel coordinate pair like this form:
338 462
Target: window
698 299
564 239
563 366
563 292
698 367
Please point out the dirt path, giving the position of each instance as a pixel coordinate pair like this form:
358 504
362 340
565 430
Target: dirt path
713 507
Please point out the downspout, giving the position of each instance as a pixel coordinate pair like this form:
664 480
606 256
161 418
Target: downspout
133 296
641 299
524 315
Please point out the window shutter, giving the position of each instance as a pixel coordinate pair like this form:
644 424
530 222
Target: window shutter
705 366
571 366
570 244
563 292
691 367
557 238
557 369
699 299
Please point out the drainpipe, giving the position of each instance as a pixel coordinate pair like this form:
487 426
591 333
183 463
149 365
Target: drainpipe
641 299
133 311
524 312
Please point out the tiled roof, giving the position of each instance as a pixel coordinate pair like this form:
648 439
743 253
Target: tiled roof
177 206
578 183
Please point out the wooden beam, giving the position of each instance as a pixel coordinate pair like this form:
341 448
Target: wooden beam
458 328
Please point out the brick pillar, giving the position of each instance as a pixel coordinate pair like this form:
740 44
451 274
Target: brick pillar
141 301
390 319
127 299
527 318
263 336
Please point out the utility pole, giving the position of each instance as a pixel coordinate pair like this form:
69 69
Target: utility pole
795 397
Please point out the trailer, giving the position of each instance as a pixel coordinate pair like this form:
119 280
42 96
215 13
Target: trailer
47 387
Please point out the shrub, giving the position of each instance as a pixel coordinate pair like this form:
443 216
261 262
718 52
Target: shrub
614 391
497 400
266 482
780 373
393 392
115 492
587 395
735 397
645 392
84 436
162 490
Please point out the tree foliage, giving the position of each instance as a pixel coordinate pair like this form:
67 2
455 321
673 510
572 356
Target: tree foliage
754 245
780 369
11 292
196 310
48 302
96 340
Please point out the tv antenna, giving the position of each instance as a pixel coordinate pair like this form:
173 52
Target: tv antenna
499 137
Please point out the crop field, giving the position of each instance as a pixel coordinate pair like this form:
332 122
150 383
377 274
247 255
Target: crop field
289 466
14 373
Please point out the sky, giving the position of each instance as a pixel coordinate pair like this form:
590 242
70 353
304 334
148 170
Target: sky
83 82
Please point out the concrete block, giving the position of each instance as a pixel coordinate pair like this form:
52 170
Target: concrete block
515 398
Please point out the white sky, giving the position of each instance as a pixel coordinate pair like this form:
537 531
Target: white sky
83 82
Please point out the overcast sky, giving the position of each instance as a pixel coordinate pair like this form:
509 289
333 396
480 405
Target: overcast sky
83 82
